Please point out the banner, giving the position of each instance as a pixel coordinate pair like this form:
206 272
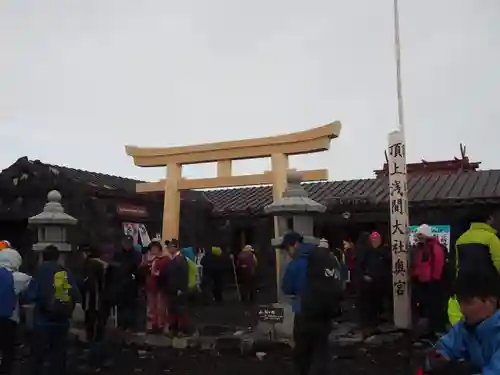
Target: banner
442 232
132 229
143 233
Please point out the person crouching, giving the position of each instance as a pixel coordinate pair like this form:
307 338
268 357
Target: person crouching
177 278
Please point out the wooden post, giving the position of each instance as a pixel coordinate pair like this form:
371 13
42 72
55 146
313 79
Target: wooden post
398 203
279 168
224 168
172 202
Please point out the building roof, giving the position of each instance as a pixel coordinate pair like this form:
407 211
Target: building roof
100 181
424 189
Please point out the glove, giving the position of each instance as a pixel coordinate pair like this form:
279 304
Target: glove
78 313
436 361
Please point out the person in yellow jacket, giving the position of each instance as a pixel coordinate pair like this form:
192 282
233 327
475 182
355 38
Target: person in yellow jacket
477 252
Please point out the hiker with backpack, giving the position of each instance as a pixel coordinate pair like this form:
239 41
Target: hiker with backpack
176 284
427 285
12 284
313 278
246 263
55 295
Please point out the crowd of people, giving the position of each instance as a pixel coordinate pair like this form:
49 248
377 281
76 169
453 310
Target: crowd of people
459 305
109 292
456 306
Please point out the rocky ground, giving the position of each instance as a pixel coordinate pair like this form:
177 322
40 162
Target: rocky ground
219 349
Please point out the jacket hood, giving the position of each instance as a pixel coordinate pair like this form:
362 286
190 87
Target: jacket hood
10 259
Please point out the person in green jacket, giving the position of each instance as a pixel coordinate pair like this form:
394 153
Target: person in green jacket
477 253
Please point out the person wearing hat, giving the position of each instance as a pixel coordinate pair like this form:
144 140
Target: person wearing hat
177 280
376 277
246 263
427 271
310 333
153 267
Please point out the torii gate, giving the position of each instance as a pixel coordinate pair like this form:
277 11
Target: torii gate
278 148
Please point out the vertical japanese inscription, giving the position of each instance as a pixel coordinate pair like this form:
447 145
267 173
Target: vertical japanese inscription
398 209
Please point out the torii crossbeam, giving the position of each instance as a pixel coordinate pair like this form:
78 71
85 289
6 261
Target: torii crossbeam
278 148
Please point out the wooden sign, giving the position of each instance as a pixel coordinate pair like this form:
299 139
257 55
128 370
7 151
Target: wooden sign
271 314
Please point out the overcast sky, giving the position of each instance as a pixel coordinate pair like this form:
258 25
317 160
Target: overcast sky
79 79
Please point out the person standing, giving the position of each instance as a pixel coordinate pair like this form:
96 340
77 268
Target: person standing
153 266
477 252
176 283
55 294
246 262
428 264
375 271
315 304
12 284
126 284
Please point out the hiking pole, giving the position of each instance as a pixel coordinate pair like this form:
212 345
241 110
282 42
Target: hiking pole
236 278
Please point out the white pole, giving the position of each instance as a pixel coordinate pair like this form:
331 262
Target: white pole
397 45
398 202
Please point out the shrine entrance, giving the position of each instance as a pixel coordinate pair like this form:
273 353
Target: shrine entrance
278 148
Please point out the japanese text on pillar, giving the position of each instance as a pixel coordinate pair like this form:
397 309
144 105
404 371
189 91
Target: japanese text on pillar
399 217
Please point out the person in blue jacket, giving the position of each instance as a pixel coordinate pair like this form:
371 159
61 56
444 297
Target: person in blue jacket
472 346
51 283
310 334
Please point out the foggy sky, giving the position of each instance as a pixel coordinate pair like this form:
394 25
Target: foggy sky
80 79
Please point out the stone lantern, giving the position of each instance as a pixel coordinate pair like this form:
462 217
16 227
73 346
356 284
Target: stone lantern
295 211
52 225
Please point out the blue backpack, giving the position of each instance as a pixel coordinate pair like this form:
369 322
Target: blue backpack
8 299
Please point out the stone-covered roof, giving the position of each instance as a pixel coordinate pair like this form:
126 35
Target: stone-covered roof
422 189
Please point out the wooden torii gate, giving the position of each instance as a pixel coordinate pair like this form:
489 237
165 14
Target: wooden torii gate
278 148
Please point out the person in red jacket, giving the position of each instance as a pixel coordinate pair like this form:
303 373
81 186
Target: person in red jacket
427 273
153 264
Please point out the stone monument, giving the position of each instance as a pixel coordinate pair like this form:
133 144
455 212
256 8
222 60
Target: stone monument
51 225
295 211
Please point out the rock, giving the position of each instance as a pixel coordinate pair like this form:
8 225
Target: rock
260 355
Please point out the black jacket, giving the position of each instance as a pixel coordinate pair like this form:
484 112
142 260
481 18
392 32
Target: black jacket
124 275
177 274
94 273
376 263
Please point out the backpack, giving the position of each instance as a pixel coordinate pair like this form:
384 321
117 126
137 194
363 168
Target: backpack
192 274
325 285
8 298
57 298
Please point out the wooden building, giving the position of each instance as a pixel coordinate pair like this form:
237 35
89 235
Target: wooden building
101 203
445 192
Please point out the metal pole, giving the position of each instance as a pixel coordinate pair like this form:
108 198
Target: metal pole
397 46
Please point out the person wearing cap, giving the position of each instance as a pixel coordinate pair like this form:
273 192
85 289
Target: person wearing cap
246 263
126 284
375 280
428 259
177 280
310 333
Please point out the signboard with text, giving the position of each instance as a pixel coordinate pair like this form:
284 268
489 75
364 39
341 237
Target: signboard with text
398 209
271 314
442 232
